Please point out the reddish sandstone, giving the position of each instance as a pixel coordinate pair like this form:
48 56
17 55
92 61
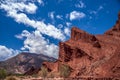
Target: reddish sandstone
90 55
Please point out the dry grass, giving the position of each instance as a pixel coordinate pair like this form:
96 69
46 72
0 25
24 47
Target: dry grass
11 78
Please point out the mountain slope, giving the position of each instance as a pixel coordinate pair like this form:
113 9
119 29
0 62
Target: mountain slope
23 62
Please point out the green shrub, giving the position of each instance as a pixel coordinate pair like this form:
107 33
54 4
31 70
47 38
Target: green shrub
43 72
11 78
3 74
18 75
64 70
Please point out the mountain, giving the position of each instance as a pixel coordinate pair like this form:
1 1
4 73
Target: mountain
23 62
90 56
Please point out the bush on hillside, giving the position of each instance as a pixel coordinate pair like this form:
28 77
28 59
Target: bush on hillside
3 74
11 78
43 73
64 70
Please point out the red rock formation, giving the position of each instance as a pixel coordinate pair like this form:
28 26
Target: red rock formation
115 31
77 34
91 56
51 66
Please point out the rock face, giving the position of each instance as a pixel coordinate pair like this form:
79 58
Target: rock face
90 55
115 31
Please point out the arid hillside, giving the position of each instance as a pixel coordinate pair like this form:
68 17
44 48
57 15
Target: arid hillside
24 62
90 55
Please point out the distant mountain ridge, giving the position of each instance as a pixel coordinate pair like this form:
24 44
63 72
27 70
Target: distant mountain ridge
23 62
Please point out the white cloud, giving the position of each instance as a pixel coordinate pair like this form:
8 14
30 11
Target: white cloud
50 30
68 24
19 36
93 12
80 4
29 8
25 33
59 17
96 11
36 43
76 15
67 16
51 15
40 2
67 31
60 26
6 53
47 29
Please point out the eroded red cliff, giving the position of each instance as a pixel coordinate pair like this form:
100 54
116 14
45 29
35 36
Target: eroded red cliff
90 55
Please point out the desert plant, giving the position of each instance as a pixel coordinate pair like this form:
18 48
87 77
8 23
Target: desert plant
64 70
3 74
11 78
51 75
43 73
35 75
18 75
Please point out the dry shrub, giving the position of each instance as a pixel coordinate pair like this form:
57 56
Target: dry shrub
11 78
64 70
43 72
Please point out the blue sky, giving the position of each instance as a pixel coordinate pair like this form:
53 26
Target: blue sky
37 26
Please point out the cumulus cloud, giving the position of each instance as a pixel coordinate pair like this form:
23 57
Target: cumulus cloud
25 33
36 43
33 41
76 15
80 4
29 8
6 53
47 29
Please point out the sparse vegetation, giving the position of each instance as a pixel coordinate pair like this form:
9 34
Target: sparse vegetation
18 75
64 70
11 78
3 74
35 75
51 75
43 73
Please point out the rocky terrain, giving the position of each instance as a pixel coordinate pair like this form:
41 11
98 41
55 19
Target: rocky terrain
88 55
24 62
